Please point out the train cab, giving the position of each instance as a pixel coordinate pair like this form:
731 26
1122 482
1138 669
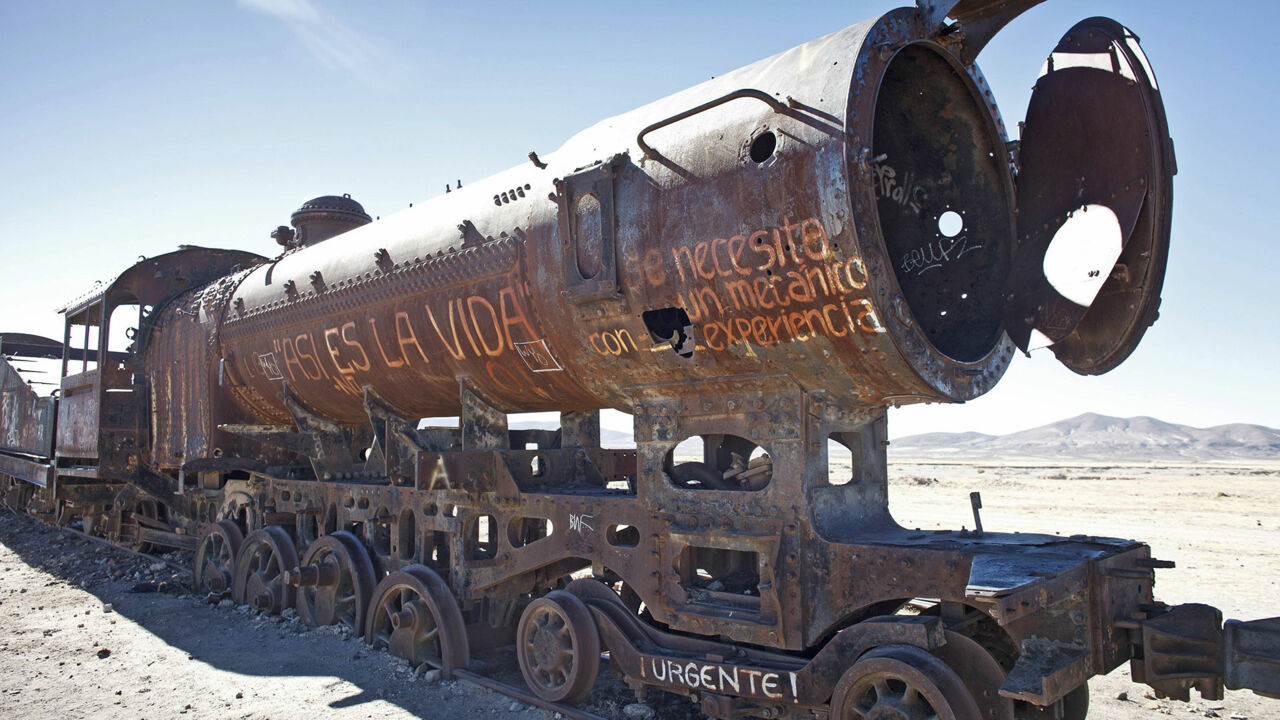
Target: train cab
103 425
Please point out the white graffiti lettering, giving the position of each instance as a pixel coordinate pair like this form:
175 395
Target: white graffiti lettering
727 679
578 522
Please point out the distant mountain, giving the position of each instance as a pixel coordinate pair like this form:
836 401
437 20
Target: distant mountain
1098 437
609 438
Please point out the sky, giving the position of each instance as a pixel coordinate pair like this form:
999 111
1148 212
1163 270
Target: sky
129 128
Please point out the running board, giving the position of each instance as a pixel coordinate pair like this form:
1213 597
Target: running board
36 473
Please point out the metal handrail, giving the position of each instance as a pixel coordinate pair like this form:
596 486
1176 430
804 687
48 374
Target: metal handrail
760 95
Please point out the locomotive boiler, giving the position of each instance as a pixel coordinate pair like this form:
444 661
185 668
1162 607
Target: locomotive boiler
763 264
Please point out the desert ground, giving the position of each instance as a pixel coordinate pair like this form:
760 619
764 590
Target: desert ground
86 631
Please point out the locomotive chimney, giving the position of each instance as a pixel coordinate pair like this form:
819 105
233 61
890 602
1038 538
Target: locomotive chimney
323 217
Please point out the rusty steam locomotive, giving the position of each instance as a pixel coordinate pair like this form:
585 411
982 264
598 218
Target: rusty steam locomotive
764 263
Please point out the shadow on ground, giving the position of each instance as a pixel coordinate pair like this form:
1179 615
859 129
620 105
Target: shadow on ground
314 669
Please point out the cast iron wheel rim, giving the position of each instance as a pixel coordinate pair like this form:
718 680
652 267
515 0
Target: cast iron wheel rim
415 616
558 647
980 672
260 565
901 682
215 560
346 601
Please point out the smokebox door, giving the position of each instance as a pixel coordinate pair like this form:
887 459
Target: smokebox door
1095 183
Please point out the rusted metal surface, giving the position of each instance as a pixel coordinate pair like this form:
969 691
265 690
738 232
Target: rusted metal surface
1127 173
976 21
1252 656
26 419
764 260
766 263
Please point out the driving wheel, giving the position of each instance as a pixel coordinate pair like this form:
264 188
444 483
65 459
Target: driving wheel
980 673
215 561
415 616
260 565
902 682
334 582
558 647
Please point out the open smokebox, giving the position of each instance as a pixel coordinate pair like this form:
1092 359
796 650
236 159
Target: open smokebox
1058 239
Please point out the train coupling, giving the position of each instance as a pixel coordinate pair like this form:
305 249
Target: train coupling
1188 646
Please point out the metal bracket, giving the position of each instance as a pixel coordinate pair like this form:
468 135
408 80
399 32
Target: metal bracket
596 182
979 20
325 443
395 445
484 427
580 428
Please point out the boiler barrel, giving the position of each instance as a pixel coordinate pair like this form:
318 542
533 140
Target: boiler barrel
786 219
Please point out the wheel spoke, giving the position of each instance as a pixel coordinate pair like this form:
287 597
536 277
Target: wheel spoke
882 690
915 704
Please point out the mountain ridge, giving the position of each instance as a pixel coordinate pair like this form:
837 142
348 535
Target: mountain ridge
1092 436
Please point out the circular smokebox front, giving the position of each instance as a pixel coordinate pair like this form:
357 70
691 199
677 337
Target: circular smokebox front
943 200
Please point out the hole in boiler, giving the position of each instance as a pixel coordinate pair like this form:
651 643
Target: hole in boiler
671 325
950 223
762 147
1083 251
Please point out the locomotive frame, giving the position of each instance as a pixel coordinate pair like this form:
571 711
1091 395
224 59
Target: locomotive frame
262 421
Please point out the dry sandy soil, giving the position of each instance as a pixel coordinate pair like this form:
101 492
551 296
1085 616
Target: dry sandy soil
90 632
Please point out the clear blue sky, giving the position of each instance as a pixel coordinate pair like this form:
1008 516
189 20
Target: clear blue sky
129 128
